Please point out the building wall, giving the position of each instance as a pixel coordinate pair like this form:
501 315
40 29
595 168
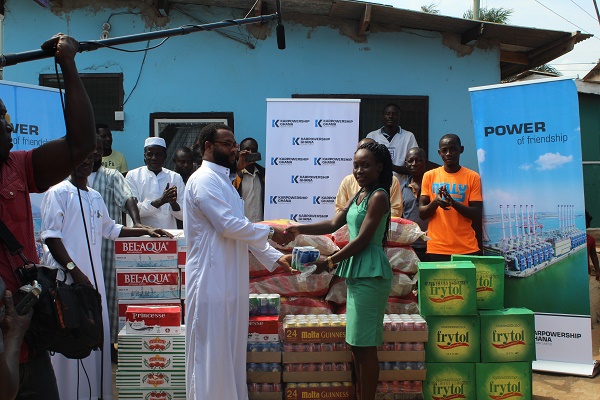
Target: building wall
204 72
589 115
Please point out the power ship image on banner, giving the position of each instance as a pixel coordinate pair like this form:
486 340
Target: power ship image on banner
527 248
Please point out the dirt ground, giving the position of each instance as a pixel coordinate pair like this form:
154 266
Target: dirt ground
562 387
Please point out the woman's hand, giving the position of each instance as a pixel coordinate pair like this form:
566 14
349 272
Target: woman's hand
285 261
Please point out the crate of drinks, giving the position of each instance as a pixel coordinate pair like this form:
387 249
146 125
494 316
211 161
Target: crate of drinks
265 391
326 328
145 284
402 371
263 352
401 351
399 390
405 328
263 372
320 390
264 304
145 252
325 352
317 372
263 329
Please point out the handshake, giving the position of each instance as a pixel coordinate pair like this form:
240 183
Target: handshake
284 235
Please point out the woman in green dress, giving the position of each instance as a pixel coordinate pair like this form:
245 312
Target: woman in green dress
362 261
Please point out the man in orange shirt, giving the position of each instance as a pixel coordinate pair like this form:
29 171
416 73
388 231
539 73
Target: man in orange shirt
451 199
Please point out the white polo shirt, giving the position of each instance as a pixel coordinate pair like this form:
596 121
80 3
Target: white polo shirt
401 142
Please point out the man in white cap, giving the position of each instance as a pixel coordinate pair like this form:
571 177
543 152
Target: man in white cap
159 191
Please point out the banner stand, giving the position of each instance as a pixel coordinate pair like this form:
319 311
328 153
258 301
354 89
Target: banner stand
589 370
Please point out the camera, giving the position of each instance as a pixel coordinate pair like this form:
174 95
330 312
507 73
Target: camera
253 157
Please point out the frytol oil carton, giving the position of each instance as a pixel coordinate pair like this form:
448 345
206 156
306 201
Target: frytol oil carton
447 288
153 320
489 276
450 381
123 304
145 252
147 283
507 335
453 339
504 381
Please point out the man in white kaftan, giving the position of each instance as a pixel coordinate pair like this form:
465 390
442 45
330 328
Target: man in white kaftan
217 277
159 190
61 218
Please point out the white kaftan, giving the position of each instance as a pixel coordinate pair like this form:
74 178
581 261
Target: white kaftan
147 187
61 218
217 284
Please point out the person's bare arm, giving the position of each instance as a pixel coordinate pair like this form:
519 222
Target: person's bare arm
52 161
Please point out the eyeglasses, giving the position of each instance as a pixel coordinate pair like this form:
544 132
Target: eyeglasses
230 145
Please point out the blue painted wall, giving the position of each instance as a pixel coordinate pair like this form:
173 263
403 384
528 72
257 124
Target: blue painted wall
205 72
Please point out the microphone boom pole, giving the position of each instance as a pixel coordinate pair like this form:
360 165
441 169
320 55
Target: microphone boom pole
16 58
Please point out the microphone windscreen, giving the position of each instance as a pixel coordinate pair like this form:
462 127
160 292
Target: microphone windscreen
280 37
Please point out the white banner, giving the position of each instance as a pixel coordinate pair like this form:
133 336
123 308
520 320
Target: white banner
309 150
37 117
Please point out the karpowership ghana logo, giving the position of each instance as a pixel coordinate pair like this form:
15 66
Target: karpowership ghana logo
308 178
285 199
307 217
331 123
287 160
323 199
329 161
287 123
302 141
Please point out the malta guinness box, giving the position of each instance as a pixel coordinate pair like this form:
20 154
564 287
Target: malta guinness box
447 288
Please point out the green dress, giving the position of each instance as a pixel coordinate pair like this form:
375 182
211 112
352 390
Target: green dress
369 279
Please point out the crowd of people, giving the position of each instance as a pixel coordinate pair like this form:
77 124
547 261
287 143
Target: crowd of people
216 194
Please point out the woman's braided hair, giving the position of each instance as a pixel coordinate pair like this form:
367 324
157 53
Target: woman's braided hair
383 156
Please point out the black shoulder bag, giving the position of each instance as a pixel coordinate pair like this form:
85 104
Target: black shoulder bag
67 319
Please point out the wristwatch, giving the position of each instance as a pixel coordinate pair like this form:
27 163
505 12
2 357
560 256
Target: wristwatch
70 265
271 233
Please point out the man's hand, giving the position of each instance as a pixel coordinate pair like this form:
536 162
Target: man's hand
241 162
286 262
64 47
156 232
292 230
282 236
169 196
79 277
14 325
441 199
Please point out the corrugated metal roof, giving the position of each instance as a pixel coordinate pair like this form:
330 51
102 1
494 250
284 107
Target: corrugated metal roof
521 48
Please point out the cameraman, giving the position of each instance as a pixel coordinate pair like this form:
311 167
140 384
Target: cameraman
22 172
13 328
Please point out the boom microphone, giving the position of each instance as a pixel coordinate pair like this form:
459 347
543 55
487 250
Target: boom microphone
280 30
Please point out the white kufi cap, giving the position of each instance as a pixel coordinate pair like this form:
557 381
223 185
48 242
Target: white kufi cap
155 141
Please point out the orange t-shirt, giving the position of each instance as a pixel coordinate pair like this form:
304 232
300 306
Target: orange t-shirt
450 232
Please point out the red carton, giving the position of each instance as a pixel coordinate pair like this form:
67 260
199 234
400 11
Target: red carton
182 286
153 320
154 283
145 252
123 304
263 329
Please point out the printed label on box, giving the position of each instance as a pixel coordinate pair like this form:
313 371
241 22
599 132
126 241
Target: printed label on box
148 284
122 306
149 320
145 253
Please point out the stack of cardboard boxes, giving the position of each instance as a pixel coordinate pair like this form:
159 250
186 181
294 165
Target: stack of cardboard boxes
147 273
402 357
263 360
317 363
476 349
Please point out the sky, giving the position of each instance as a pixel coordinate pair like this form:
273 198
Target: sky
559 15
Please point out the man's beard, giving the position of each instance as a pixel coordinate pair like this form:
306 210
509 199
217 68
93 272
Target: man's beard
222 159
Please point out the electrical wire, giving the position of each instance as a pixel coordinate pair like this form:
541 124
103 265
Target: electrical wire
554 12
139 74
582 9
